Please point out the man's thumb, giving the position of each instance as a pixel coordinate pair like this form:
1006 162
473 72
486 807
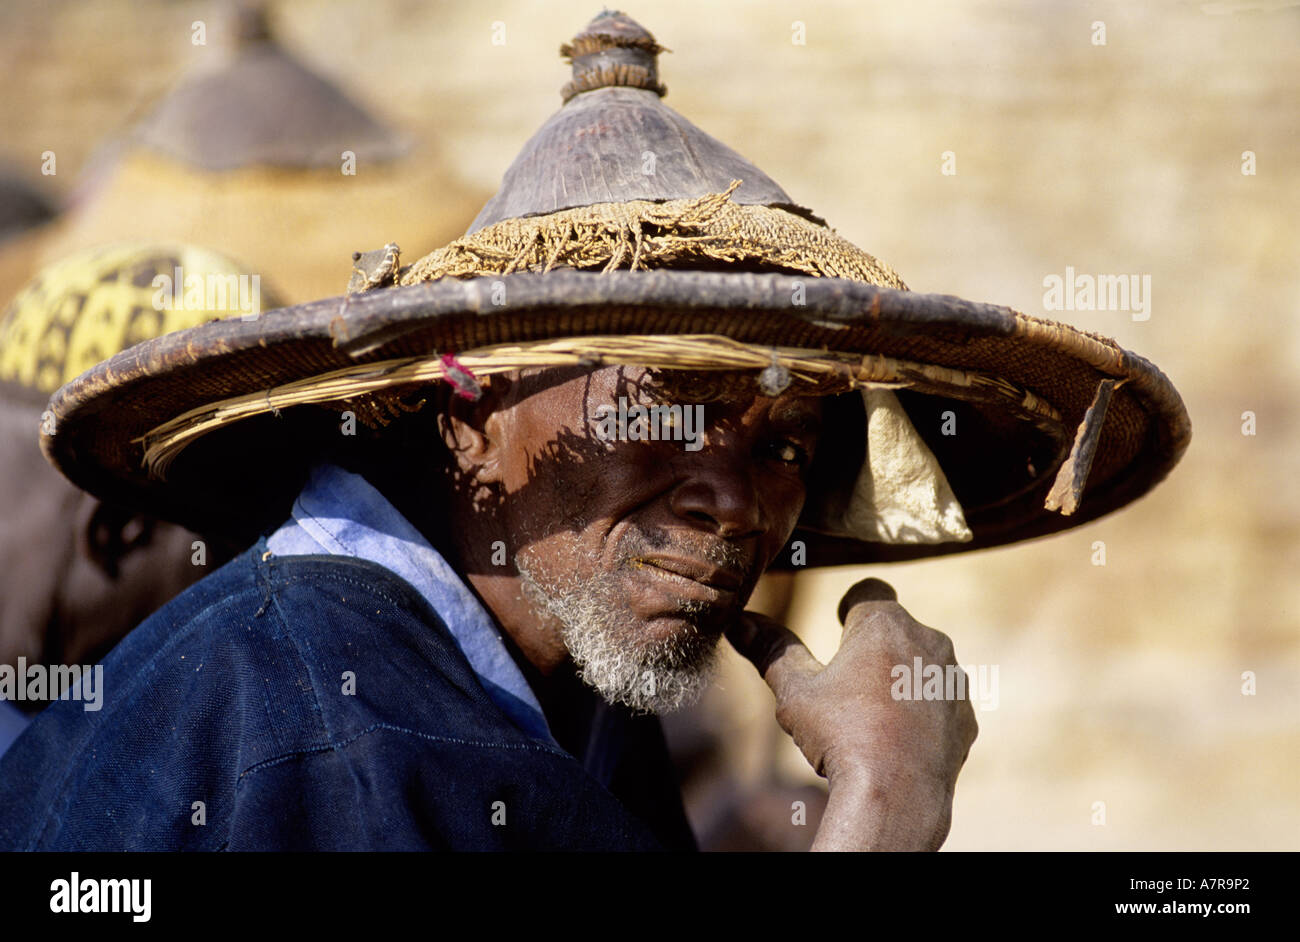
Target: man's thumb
781 658
865 591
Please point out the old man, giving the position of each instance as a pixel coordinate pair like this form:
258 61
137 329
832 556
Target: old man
466 599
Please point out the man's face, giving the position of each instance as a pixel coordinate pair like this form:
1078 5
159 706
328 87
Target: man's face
639 552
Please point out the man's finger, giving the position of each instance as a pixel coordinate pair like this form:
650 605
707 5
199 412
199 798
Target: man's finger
781 658
865 591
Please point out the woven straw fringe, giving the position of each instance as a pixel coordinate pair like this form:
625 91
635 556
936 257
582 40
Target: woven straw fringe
626 74
641 234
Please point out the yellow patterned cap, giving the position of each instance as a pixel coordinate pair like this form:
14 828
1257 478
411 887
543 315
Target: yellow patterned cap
88 306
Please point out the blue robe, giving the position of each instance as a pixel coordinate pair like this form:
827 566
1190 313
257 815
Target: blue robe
316 703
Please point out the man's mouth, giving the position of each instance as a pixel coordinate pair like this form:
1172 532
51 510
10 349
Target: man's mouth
721 584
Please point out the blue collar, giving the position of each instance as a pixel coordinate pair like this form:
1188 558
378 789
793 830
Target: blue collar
340 513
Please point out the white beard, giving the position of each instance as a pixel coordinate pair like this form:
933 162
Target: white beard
655 677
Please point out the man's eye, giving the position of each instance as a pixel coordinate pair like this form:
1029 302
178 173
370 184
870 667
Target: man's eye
789 452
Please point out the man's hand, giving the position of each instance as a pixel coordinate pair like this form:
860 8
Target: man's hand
891 764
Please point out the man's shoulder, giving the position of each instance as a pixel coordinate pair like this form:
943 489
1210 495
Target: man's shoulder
305 622
308 674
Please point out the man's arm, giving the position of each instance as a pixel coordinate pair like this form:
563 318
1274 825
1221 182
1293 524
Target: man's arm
891 764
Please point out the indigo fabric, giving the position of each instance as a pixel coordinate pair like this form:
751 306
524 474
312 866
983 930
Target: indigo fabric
342 514
12 722
316 703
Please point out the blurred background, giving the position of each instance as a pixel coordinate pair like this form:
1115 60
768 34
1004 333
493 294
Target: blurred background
1107 137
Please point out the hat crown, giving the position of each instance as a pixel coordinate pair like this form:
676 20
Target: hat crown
615 141
613 49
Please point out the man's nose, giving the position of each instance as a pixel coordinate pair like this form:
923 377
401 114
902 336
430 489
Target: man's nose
723 499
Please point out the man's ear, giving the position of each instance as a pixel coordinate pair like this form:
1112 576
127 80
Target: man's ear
474 432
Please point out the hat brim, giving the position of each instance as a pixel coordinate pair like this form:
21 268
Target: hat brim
235 479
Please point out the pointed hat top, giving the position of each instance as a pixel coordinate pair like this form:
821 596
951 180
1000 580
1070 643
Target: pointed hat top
615 140
613 49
